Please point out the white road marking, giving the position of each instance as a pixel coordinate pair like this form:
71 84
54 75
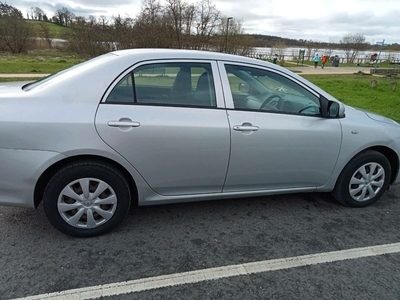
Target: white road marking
156 282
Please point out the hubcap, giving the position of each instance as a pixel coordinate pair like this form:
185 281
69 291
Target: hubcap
366 182
87 203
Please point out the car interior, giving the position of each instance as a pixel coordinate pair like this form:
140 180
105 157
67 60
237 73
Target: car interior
186 88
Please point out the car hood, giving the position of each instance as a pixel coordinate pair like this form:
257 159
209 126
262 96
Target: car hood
379 118
360 114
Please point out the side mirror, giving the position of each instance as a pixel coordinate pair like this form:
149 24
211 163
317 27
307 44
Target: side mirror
244 87
335 110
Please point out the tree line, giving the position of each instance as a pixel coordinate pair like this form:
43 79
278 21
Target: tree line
173 24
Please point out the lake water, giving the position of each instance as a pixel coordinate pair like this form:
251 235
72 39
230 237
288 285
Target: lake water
291 53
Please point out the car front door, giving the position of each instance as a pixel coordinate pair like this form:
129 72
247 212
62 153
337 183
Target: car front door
168 119
279 140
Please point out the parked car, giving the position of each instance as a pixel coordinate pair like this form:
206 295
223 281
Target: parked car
161 126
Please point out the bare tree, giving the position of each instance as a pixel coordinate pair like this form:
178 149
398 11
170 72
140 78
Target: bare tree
315 47
7 10
89 39
64 16
152 28
279 47
352 44
206 24
123 32
331 45
68 16
30 14
59 17
176 24
14 35
36 13
14 31
45 33
309 45
237 42
175 11
103 21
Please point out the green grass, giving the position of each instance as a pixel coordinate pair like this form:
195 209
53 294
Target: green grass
56 31
355 90
44 62
15 79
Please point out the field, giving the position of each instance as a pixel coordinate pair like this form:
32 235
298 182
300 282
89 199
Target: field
42 62
55 31
355 90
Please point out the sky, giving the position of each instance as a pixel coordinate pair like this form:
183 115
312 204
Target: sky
321 20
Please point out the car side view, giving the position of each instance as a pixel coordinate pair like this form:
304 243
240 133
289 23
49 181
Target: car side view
157 126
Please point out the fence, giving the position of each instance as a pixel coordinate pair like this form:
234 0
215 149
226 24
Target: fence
292 54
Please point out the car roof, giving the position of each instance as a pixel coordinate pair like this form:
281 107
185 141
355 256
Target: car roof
188 54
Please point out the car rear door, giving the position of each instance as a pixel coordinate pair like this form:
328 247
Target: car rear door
168 119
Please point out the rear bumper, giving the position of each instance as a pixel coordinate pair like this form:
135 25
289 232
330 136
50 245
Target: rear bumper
19 172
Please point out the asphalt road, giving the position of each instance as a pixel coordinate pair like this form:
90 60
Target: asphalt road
36 259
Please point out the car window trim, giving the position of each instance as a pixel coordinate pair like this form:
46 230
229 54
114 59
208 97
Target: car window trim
228 92
219 95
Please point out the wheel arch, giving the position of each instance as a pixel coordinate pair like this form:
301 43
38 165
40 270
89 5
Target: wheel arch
392 158
388 153
50 171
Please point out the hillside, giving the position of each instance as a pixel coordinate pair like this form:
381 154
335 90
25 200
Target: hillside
55 31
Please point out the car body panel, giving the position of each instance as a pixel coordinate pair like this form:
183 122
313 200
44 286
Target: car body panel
19 172
287 151
55 120
359 133
178 150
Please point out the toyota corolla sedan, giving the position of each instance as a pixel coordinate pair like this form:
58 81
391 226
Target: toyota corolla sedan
162 126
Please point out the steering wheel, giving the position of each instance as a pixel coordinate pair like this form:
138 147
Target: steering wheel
274 102
305 108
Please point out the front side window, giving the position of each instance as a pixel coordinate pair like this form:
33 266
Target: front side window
261 90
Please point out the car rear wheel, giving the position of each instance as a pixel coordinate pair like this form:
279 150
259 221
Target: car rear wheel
364 180
86 199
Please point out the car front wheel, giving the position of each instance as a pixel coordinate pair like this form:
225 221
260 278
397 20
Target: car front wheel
364 180
86 199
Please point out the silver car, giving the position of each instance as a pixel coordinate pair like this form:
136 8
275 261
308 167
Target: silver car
163 126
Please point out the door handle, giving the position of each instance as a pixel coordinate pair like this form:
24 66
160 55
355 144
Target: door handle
245 128
123 124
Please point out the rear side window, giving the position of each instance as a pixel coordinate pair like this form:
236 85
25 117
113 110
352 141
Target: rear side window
175 84
168 84
123 91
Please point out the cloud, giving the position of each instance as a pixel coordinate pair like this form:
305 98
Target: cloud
307 19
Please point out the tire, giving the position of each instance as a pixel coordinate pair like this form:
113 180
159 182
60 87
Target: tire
86 199
364 179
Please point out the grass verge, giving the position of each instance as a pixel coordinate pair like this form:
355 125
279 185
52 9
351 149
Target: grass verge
355 90
14 79
41 62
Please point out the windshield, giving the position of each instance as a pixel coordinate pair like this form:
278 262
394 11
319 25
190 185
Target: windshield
42 81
